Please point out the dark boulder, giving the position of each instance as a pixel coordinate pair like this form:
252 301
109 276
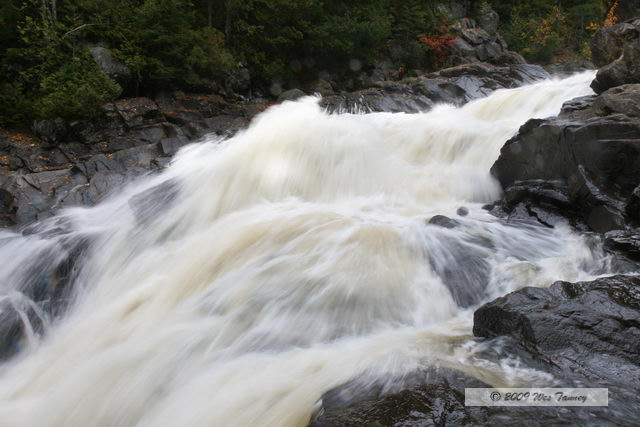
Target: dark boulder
487 18
581 165
436 397
589 330
625 69
443 221
608 42
50 131
137 111
622 99
238 81
291 95
112 66
624 242
33 196
41 285
14 312
432 397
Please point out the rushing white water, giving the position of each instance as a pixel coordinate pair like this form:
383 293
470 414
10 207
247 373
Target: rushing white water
257 273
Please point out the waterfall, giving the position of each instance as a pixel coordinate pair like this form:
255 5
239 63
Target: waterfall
256 273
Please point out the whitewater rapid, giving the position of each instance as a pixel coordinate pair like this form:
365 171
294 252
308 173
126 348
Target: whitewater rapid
256 273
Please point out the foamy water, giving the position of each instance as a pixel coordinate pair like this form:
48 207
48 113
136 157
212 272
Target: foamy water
257 273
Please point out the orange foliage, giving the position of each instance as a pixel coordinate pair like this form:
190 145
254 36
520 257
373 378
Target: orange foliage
610 20
439 45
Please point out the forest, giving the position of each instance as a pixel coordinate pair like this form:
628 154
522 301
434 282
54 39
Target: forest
47 70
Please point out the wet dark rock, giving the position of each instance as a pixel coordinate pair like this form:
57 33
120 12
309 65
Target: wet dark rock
566 68
581 165
146 205
13 330
35 194
443 221
89 159
137 111
582 326
487 18
632 208
50 131
436 397
291 95
622 99
625 69
323 87
537 201
460 263
532 315
625 242
608 42
456 85
462 211
433 397
464 270
584 334
476 36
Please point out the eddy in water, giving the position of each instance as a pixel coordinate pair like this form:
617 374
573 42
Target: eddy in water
256 273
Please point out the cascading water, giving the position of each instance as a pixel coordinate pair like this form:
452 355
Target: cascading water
255 274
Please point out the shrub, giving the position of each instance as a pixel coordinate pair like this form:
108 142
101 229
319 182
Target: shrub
77 89
15 109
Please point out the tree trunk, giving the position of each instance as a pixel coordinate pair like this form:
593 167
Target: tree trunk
210 12
229 6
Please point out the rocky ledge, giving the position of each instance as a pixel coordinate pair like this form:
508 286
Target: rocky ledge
585 334
78 163
581 167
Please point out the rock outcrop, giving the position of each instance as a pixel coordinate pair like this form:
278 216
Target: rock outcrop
456 85
608 42
617 50
80 162
581 166
587 332
584 334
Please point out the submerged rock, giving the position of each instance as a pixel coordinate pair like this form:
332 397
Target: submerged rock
443 221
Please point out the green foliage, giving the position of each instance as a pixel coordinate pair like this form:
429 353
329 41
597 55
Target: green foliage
14 108
77 89
208 55
270 34
414 17
164 39
45 69
548 30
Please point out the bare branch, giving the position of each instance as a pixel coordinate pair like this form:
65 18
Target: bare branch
80 28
